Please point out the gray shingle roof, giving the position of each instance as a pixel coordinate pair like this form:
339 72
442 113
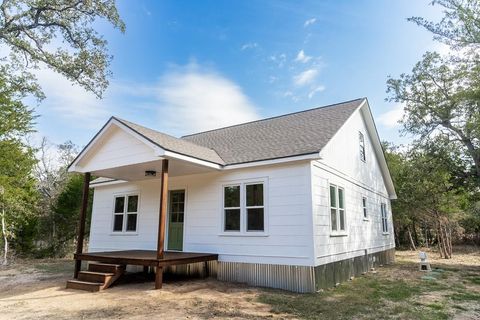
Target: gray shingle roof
177 145
299 133
304 132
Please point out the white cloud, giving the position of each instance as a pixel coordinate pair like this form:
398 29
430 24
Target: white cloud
71 101
309 22
305 77
391 118
185 99
250 45
302 57
316 90
192 100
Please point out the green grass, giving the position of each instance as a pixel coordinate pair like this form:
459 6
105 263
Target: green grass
465 296
377 297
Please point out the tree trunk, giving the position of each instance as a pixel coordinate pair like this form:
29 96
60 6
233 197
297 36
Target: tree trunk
397 238
443 241
426 235
441 248
412 243
415 235
448 238
5 239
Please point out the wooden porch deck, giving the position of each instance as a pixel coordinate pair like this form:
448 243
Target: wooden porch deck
146 257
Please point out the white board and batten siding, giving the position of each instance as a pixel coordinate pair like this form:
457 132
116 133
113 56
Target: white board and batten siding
341 165
288 203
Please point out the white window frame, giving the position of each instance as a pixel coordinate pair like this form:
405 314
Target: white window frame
384 217
125 214
338 231
361 142
243 208
365 208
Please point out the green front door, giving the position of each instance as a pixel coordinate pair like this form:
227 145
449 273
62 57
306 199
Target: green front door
176 211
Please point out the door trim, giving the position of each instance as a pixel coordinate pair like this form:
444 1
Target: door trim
167 226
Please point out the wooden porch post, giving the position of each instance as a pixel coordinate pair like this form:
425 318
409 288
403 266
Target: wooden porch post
162 219
81 226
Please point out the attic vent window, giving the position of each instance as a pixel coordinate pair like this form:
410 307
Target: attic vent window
361 139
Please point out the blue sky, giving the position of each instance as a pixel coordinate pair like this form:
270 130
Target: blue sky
188 66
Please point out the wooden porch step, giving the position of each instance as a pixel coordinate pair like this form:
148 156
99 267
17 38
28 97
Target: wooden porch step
105 267
84 285
99 276
92 276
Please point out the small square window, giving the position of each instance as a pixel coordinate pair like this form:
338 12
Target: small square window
125 213
244 208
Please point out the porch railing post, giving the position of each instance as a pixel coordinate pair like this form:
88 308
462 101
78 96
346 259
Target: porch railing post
162 219
81 225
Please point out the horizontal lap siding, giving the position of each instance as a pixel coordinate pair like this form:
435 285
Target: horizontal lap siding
341 165
289 239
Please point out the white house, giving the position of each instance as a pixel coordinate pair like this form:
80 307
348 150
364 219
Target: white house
299 201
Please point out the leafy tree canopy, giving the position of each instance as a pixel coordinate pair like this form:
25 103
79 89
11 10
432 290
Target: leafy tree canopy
442 103
460 26
60 35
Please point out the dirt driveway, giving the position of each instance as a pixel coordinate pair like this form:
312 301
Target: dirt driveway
38 292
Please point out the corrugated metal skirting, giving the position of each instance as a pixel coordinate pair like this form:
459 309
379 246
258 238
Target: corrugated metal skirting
291 278
300 279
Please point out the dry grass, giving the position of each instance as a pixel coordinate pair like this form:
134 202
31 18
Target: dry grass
36 289
398 291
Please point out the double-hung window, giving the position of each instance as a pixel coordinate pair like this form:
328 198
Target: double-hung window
361 140
244 207
383 208
337 208
364 207
125 213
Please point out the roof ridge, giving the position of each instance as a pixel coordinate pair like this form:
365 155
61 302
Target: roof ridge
274 117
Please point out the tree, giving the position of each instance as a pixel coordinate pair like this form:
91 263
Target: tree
20 196
427 198
60 197
65 211
58 34
18 199
460 26
441 99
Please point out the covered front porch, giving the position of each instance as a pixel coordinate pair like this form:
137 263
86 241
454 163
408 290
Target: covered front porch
123 153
